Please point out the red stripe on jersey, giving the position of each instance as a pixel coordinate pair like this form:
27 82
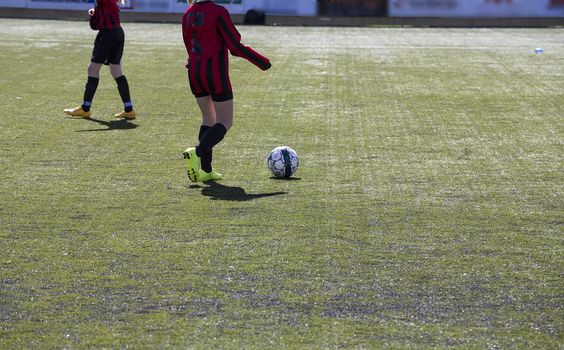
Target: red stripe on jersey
207 28
107 13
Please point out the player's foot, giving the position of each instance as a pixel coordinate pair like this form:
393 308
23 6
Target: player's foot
192 163
126 115
77 112
211 176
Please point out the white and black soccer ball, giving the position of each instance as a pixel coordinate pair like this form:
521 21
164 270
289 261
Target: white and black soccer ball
283 161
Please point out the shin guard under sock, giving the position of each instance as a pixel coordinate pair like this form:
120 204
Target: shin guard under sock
212 137
89 91
123 88
206 159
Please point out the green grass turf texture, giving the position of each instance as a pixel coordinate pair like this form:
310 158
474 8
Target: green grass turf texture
427 211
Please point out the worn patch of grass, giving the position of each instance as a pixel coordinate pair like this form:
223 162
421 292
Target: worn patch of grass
427 212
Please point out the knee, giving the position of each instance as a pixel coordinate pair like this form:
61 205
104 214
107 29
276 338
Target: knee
94 70
115 70
227 124
208 119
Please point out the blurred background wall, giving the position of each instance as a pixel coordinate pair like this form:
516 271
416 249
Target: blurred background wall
333 8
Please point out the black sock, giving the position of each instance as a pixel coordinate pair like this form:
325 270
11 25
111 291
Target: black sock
206 158
212 137
89 91
123 88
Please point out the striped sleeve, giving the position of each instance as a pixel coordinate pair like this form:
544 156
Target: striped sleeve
185 33
233 40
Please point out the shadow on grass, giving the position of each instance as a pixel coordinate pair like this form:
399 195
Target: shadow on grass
121 124
217 191
291 178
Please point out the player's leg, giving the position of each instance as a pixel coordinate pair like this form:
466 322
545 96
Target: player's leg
222 101
196 162
208 120
224 112
214 134
115 70
94 70
114 60
100 54
207 109
223 121
193 161
89 92
123 88
91 85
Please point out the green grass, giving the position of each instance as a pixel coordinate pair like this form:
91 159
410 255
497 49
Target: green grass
427 212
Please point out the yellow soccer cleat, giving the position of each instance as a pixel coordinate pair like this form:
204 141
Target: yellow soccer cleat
77 112
192 163
126 115
211 176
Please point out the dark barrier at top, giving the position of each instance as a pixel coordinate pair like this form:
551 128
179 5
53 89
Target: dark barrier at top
352 7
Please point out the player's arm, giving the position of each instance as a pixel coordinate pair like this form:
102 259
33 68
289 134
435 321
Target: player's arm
94 16
233 40
186 35
95 13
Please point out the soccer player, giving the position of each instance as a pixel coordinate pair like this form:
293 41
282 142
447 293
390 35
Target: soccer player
108 50
209 34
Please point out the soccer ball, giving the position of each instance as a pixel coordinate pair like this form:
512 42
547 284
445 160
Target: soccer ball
283 161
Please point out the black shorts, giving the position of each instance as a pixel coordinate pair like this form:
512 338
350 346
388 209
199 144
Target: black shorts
108 46
221 97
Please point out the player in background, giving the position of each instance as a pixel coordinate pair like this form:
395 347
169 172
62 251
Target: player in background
209 34
108 50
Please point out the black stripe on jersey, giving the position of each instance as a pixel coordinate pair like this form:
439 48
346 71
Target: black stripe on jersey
198 77
101 20
225 27
209 74
112 21
223 70
258 61
192 87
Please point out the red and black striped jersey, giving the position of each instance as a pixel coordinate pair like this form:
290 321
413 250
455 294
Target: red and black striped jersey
106 15
207 29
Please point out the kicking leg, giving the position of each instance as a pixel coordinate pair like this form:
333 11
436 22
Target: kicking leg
223 122
208 120
216 133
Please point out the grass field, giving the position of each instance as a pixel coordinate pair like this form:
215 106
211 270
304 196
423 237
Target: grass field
427 211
